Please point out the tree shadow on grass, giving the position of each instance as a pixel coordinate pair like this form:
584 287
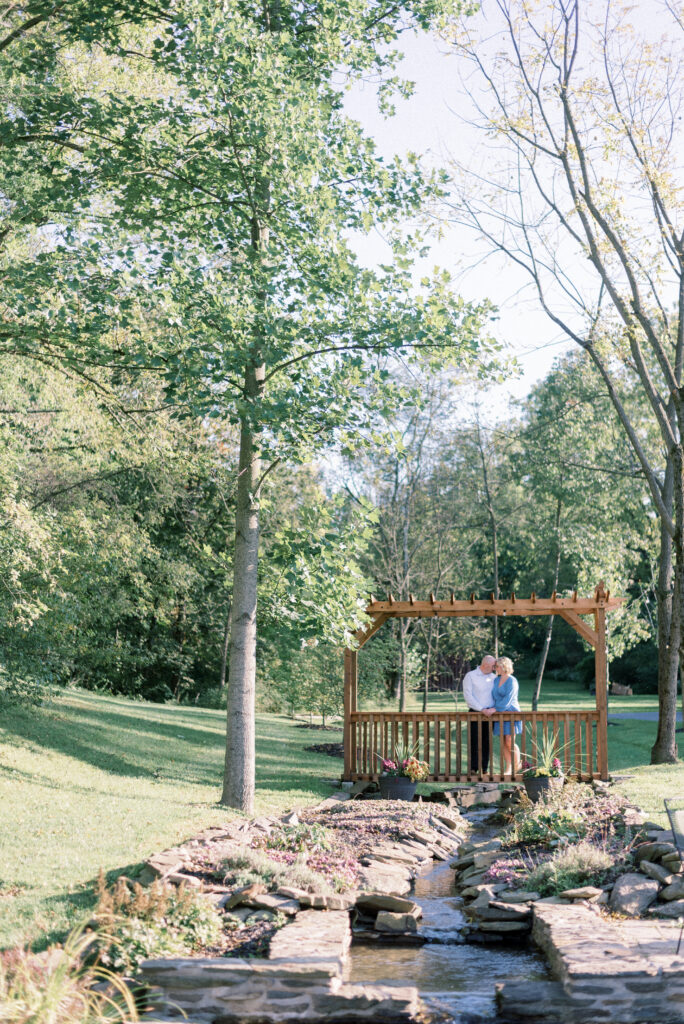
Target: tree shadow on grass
133 746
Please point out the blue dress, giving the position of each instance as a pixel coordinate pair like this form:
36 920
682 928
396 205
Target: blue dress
505 698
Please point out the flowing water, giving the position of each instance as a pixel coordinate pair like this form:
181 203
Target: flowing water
456 980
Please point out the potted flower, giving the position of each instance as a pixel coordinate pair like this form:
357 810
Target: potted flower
547 774
400 776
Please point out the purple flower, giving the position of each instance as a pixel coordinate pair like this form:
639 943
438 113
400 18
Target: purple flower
526 764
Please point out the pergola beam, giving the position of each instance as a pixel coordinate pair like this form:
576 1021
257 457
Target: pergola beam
488 608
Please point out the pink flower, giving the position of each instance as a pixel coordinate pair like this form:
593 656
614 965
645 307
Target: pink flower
556 763
526 764
389 766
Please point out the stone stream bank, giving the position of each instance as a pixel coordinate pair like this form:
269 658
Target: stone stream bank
605 967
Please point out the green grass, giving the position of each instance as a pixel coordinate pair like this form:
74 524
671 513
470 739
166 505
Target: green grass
90 781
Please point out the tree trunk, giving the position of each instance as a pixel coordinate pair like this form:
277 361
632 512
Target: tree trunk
239 772
664 750
224 651
403 626
495 540
549 631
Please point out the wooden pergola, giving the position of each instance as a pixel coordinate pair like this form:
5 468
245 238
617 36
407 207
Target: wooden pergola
442 738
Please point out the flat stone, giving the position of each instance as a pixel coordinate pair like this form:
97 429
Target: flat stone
552 901
386 921
179 878
518 896
484 859
244 894
465 861
473 878
450 822
668 910
632 894
652 851
278 904
657 871
674 891
377 901
503 926
473 891
388 881
499 912
582 892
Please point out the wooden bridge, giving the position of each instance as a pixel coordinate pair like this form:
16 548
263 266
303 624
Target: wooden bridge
443 738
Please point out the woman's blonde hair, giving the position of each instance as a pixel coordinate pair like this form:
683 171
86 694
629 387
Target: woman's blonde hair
506 664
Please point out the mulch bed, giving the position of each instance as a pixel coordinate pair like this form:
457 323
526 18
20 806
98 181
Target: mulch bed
251 941
332 749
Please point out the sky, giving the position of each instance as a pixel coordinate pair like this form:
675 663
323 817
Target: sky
428 123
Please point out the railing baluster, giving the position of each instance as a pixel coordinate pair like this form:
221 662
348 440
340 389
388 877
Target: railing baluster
447 748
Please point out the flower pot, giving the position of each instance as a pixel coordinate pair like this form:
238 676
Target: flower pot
538 787
397 787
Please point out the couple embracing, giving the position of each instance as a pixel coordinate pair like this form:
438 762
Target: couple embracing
490 689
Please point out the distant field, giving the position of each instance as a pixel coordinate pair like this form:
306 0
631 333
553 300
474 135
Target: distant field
90 781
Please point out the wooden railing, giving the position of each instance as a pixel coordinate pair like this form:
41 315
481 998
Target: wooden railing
443 740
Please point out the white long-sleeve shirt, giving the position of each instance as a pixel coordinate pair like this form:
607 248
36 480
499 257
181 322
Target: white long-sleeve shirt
477 689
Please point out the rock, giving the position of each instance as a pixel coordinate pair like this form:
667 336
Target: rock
553 900
484 859
244 894
518 896
386 921
290 893
652 851
290 819
466 860
632 894
499 912
449 821
377 901
673 909
278 904
583 892
488 797
675 891
162 864
471 878
394 882
178 878
673 862
483 899
472 891
503 926
657 871
258 916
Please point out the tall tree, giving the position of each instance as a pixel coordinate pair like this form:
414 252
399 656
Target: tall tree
584 126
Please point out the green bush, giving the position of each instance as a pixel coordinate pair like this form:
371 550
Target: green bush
544 824
135 924
299 838
570 867
249 866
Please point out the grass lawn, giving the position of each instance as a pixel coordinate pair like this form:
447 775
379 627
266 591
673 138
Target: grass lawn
90 781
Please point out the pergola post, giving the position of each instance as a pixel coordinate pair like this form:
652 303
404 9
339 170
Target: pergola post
350 683
601 673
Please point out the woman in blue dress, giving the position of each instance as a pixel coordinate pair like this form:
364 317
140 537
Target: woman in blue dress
505 698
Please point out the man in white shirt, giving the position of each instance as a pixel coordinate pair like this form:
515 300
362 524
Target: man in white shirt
477 693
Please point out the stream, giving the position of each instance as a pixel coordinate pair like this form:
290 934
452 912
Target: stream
456 980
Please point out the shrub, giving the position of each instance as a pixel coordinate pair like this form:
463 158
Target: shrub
250 865
570 867
545 823
136 924
299 838
58 988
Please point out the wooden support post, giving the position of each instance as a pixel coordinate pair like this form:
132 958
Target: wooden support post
349 705
601 664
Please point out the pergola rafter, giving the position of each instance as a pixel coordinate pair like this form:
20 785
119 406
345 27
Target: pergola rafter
368 735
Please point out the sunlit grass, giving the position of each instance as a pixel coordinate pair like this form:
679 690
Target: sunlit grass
91 781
